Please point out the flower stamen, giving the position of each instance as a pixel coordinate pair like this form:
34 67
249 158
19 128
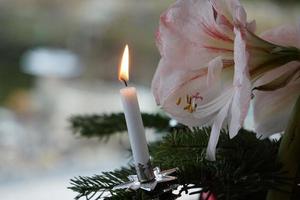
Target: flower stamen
178 101
191 104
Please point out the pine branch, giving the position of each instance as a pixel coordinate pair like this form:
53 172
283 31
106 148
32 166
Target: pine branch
245 168
245 165
99 186
102 126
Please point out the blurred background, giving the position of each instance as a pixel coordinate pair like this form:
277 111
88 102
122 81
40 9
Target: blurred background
59 58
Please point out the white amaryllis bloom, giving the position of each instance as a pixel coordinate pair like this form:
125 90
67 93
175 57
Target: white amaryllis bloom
209 58
279 88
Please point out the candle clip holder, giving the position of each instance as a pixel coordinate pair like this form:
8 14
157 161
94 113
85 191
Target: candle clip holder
145 172
148 178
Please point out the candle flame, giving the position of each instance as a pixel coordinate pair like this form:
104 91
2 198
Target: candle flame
124 68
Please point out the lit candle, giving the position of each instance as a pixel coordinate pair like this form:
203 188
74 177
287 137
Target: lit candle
134 123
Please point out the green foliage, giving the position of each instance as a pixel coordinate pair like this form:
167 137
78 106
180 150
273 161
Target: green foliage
245 168
99 185
102 126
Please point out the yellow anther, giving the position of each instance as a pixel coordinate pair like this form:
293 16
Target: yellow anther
190 100
178 101
187 107
190 103
191 109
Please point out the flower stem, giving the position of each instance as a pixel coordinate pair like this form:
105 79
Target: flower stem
289 155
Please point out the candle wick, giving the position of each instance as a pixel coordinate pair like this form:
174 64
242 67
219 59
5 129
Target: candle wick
125 82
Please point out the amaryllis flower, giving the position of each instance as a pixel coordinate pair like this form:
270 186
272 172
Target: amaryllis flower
279 88
209 58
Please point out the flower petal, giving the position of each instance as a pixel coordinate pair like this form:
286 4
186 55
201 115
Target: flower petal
242 95
215 133
167 80
281 81
211 99
190 33
286 35
272 108
251 26
171 88
215 67
277 73
172 39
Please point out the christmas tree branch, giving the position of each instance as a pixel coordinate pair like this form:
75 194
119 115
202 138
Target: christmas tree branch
99 186
245 168
102 126
244 162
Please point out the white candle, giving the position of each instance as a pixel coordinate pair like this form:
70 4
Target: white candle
134 124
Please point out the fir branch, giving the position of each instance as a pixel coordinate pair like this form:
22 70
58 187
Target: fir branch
100 186
245 165
245 168
102 126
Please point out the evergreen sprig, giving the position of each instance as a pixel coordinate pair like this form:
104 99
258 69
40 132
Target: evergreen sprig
246 167
102 126
99 186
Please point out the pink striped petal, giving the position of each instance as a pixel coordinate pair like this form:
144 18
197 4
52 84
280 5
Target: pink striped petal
272 108
215 133
286 35
242 85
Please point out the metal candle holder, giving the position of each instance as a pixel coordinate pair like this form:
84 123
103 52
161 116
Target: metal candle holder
147 178
144 172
